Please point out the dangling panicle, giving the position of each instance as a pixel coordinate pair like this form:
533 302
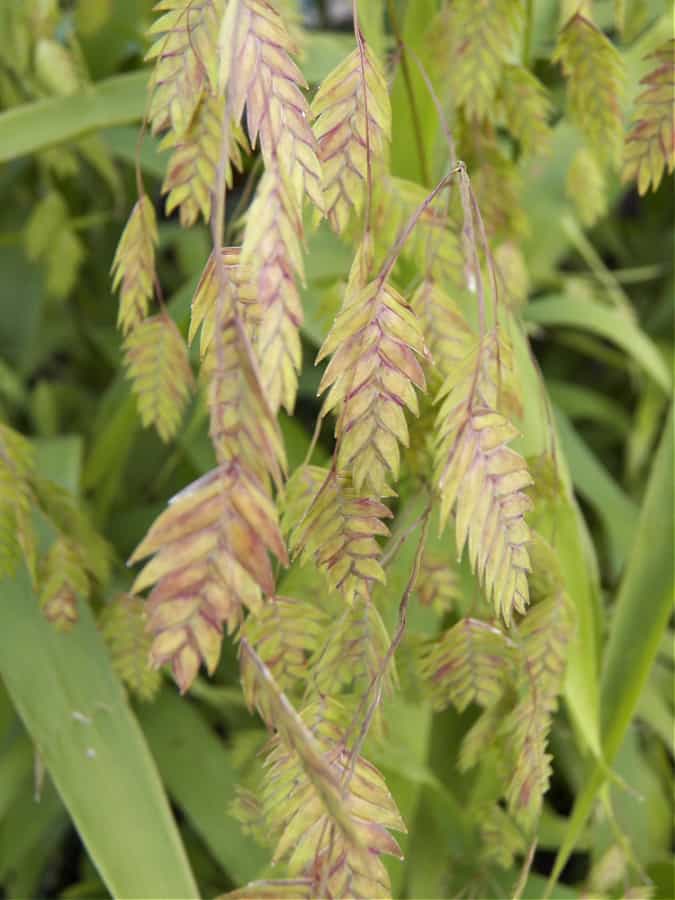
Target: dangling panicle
318 652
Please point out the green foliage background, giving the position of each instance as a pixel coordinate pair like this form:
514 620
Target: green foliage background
103 795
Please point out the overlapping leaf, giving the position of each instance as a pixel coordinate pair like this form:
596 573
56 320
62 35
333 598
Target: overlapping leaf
209 561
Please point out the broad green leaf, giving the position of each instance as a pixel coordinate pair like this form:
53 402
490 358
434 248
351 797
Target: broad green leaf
199 774
76 712
568 312
644 603
643 607
594 483
28 835
37 126
581 402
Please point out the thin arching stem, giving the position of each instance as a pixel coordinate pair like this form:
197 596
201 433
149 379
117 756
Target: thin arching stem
364 87
407 80
377 684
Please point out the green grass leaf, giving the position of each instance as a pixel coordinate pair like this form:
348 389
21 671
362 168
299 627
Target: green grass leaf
642 610
36 126
199 774
75 710
568 312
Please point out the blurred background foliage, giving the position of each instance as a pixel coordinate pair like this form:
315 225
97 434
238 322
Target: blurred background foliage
591 266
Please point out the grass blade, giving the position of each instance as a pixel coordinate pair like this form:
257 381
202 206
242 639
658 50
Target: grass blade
36 126
69 699
643 607
567 312
198 771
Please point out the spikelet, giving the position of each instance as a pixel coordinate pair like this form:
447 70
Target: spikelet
650 146
482 733
353 119
445 330
191 170
527 109
544 637
334 827
497 184
434 245
240 294
159 369
438 585
134 264
17 467
209 561
351 656
185 56
67 516
241 427
285 633
123 625
514 280
586 187
272 250
476 40
258 73
594 71
372 376
502 839
485 478
472 662
51 239
63 577
337 529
